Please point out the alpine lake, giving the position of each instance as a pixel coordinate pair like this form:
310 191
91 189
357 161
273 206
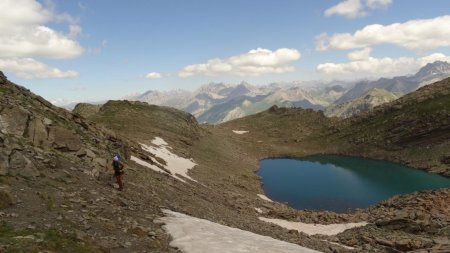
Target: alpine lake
340 183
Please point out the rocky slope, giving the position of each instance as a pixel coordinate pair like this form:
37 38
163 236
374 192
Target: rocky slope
366 102
86 110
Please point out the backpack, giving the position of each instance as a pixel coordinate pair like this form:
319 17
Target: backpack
117 166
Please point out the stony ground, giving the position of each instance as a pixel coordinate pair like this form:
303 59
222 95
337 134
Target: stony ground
56 197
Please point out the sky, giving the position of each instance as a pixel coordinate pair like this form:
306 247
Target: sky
91 50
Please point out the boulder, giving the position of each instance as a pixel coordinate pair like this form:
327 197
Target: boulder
100 162
139 231
37 133
6 199
86 152
47 121
4 164
21 165
14 120
403 244
90 153
64 139
81 153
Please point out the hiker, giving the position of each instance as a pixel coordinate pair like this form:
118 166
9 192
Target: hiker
118 167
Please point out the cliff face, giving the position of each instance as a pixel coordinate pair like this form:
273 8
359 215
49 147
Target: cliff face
32 127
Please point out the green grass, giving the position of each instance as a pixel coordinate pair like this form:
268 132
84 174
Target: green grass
45 239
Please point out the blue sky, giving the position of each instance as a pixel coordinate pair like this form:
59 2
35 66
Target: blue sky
99 49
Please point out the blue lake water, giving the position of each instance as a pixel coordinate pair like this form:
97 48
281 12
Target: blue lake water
340 183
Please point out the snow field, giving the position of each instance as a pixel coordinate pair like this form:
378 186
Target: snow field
194 235
314 229
178 166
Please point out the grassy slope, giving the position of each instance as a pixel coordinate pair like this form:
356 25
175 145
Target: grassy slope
142 122
414 130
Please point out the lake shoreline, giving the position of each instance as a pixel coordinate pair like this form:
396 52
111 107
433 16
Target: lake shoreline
347 202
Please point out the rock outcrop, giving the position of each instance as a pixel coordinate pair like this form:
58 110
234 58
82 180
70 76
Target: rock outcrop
30 127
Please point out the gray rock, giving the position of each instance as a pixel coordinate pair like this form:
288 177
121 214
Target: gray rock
4 164
47 121
139 231
81 153
21 165
80 235
37 133
64 139
100 162
403 244
14 120
6 199
90 153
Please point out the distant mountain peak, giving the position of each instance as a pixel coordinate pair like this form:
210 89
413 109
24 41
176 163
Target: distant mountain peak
435 68
432 72
245 83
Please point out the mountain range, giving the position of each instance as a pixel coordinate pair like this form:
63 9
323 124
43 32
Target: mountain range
219 102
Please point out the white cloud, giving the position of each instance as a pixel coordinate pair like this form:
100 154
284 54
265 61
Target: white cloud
356 8
253 63
22 13
379 67
153 75
360 54
419 34
27 68
23 33
376 4
23 36
347 8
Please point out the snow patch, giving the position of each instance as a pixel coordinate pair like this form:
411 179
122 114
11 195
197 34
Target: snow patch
146 164
314 229
178 166
194 235
264 197
240 132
